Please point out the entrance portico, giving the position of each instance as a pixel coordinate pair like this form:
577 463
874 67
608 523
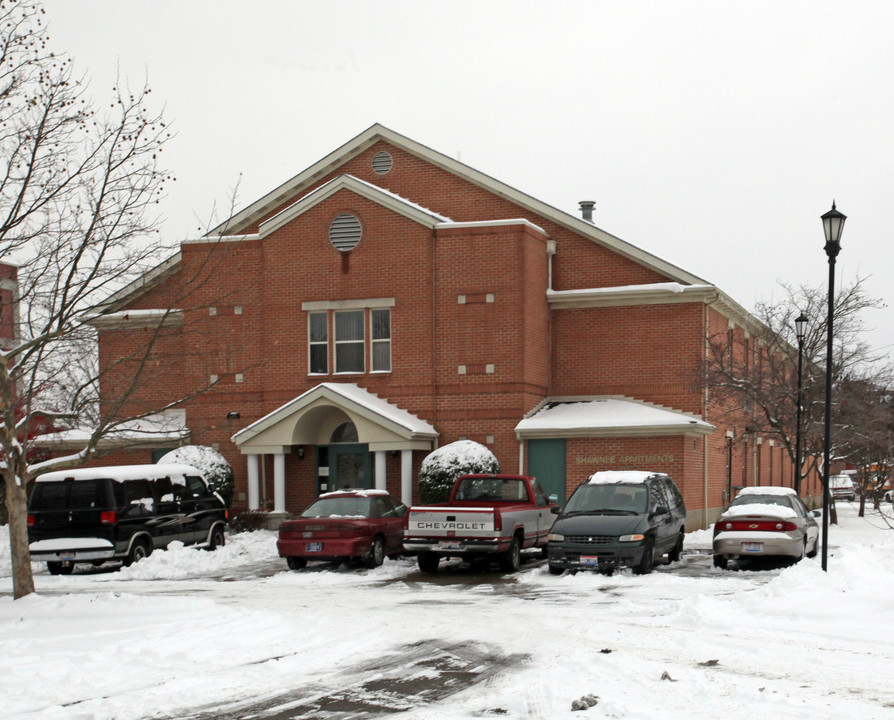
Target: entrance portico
347 429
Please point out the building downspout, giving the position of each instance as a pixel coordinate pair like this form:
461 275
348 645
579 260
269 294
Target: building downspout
705 400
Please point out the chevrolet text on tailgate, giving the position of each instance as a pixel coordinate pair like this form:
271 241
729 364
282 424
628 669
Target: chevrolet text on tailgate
497 515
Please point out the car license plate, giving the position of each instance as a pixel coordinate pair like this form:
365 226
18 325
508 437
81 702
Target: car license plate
451 546
752 547
66 556
589 560
313 547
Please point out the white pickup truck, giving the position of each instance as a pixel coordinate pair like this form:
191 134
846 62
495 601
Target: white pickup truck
486 515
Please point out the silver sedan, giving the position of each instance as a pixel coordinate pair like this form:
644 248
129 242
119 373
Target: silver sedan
762 522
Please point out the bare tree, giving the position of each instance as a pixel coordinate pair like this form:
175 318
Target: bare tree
78 197
755 374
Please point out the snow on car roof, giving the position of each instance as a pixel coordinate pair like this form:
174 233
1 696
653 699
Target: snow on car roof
353 492
613 477
121 473
765 490
776 511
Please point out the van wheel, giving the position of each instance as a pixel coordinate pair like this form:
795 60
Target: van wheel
677 552
645 564
139 550
428 562
60 568
376 555
217 539
511 560
296 563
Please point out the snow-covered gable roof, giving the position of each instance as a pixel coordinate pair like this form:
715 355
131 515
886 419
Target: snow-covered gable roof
605 417
354 401
376 133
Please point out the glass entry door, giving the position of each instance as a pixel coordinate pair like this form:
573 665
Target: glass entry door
350 466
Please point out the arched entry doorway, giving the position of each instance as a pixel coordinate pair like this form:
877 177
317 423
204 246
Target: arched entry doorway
348 462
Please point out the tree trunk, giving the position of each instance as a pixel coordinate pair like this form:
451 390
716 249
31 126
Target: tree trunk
17 506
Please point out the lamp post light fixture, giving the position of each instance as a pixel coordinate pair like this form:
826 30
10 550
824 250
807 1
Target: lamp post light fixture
800 332
833 224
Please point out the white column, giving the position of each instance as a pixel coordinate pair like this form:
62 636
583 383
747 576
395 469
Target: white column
279 483
406 477
252 482
381 481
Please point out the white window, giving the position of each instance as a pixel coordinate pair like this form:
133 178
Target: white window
380 334
349 342
318 332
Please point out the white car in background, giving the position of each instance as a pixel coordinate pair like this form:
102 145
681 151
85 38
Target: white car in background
763 522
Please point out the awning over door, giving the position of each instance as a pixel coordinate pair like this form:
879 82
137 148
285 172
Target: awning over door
310 418
606 417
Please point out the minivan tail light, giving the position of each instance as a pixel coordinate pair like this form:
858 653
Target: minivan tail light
108 517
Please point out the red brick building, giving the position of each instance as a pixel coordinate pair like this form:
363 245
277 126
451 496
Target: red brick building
389 300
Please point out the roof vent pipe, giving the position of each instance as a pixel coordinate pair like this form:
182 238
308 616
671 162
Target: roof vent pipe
586 209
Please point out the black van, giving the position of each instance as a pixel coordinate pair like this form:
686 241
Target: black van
120 513
619 519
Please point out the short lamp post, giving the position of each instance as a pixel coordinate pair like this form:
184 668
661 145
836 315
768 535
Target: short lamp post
833 224
800 332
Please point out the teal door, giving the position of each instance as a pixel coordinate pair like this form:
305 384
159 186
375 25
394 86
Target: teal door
546 462
350 466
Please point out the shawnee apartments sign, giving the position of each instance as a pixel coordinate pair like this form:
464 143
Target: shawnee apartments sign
625 461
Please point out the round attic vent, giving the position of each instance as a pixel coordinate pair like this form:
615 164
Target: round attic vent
382 162
344 232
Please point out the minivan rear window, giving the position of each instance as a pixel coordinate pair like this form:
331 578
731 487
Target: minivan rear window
71 495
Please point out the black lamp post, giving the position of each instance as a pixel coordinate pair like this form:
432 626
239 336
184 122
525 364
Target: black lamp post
833 224
800 331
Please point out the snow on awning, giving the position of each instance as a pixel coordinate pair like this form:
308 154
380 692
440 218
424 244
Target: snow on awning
309 418
607 417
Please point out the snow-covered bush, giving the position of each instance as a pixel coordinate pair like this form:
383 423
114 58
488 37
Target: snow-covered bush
441 468
212 464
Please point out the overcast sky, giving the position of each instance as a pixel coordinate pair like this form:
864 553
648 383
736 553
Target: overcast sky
712 134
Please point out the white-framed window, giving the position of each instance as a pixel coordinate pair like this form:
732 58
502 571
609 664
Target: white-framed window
380 339
350 341
318 334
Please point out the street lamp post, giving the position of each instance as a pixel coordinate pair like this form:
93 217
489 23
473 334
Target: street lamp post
833 224
800 332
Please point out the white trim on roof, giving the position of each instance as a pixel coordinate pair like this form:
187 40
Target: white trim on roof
377 132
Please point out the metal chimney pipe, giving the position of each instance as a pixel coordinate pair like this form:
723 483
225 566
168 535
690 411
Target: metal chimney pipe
586 209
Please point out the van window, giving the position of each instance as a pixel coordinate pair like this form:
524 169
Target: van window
178 484
71 495
138 499
656 496
197 487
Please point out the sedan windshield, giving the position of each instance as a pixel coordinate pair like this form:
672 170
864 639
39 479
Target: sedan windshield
608 499
781 500
339 507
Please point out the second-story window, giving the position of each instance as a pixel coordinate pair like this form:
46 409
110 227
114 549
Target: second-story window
380 322
319 342
349 341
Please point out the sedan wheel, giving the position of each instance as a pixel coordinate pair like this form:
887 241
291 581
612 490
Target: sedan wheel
376 555
720 562
296 563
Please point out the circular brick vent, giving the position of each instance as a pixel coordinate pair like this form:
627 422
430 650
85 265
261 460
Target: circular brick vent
345 232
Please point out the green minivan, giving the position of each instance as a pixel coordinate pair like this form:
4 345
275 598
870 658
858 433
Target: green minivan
619 519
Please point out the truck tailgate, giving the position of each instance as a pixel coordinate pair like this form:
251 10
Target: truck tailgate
450 522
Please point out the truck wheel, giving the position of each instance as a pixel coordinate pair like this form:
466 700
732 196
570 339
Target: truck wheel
428 562
511 559
296 563
60 568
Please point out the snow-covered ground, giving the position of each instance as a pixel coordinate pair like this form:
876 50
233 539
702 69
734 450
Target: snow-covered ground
185 633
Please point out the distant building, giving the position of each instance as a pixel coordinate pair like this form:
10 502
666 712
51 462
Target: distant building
389 299
9 310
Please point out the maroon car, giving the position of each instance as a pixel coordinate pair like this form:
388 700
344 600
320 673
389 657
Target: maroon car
362 524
